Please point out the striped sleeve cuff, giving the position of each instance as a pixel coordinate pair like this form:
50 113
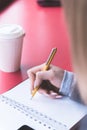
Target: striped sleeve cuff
66 85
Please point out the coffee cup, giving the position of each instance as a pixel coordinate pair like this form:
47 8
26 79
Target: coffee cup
11 44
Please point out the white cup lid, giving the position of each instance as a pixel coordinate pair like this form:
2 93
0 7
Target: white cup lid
10 31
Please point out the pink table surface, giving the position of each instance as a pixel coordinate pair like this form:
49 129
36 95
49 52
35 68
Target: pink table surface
45 28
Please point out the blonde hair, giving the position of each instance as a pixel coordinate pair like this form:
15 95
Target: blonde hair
76 18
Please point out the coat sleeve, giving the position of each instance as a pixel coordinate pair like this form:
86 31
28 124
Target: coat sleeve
69 86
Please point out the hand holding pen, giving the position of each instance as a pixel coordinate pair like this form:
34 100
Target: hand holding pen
46 82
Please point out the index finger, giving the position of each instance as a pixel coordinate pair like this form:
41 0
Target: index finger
35 69
32 74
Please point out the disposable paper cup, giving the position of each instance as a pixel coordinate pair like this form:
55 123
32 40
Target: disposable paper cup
11 42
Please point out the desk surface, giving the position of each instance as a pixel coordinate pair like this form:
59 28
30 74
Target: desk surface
45 28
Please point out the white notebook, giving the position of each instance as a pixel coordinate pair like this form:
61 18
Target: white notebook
40 113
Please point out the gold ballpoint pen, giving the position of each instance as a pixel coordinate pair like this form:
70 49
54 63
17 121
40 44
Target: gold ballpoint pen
46 67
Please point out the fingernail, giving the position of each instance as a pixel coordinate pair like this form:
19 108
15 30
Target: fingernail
58 96
53 94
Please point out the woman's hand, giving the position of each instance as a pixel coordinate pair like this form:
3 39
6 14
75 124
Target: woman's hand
49 81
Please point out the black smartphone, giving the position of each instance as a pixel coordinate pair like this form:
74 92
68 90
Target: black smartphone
49 3
25 127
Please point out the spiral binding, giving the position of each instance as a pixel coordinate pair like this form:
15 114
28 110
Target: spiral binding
34 115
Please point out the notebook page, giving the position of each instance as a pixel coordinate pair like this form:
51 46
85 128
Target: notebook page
61 110
13 114
10 117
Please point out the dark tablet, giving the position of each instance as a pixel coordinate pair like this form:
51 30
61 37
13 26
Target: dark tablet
25 127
